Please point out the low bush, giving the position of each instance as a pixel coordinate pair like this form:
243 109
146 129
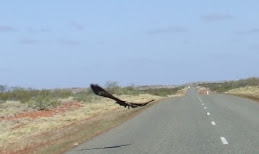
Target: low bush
163 91
85 96
226 86
46 99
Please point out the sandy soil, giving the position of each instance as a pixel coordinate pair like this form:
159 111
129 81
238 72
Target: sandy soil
251 92
23 129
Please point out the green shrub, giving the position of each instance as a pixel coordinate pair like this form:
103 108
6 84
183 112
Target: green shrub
39 99
112 87
162 91
226 86
43 103
85 96
45 99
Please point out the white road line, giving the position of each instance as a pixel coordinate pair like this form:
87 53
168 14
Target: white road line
205 108
213 123
200 99
208 113
224 140
202 104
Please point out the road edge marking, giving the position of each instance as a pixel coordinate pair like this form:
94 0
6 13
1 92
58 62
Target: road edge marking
224 140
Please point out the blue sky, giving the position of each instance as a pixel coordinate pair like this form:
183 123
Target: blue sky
64 43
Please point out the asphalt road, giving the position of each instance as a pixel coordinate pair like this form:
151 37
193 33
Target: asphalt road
193 124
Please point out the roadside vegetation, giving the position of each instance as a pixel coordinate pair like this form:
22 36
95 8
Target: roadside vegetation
248 88
251 92
113 87
48 99
28 115
36 99
222 87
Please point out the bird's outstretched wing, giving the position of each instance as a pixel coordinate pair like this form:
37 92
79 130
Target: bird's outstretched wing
141 104
101 92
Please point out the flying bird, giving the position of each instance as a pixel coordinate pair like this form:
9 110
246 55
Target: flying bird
101 92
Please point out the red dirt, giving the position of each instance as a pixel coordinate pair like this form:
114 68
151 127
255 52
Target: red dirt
46 113
32 148
203 91
61 109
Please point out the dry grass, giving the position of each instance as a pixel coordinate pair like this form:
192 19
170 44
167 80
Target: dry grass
180 93
12 108
15 131
203 90
251 92
85 130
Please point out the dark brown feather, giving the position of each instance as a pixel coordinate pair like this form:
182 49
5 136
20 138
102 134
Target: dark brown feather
102 92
